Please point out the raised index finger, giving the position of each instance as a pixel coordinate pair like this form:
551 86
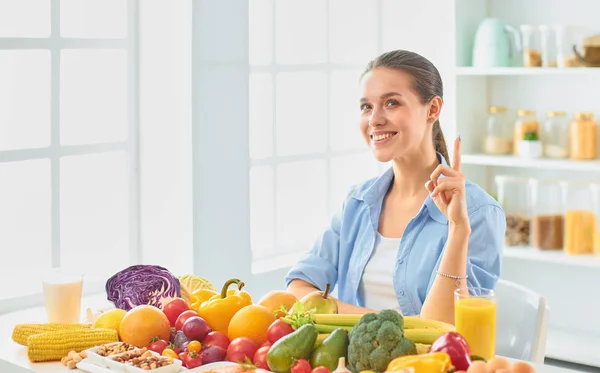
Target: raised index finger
456 155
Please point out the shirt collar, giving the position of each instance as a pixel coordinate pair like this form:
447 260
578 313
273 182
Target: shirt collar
375 193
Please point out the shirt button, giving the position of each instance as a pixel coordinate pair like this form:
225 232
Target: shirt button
401 261
401 292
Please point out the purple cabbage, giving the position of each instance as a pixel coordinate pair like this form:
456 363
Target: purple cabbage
142 284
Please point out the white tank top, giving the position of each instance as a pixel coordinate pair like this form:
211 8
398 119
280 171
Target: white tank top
377 285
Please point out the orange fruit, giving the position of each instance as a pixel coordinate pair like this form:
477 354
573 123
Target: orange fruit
274 299
251 321
142 323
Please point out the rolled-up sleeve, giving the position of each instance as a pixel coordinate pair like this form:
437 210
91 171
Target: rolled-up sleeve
486 245
320 265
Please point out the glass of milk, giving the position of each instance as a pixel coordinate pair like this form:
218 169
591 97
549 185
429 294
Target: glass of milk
62 295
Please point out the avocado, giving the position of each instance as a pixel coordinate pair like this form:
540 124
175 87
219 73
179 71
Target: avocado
333 347
296 345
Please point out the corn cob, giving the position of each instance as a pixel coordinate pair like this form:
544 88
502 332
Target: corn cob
22 331
54 345
424 336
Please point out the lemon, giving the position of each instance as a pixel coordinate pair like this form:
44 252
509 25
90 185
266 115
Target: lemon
110 319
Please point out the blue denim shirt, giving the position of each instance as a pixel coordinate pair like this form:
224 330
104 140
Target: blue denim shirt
340 254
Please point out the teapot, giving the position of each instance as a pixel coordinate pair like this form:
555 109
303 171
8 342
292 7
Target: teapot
494 44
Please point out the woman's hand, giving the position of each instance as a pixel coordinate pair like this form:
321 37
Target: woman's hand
448 192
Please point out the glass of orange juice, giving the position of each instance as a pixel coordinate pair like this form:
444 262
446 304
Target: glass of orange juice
475 319
62 295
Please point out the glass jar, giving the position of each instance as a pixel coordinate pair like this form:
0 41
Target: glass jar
595 191
555 135
548 214
580 220
526 122
498 137
584 134
532 56
513 196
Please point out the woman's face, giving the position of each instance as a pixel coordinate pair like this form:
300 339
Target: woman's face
393 121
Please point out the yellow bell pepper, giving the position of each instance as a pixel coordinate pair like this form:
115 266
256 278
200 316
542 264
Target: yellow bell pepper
199 296
218 310
433 362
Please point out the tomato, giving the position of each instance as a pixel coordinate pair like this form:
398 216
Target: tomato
260 358
194 346
301 366
190 359
158 345
278 329
216 339
320 369
181 319
240 349
175 308
170 353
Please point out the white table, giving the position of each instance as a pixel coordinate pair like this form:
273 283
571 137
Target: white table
13 357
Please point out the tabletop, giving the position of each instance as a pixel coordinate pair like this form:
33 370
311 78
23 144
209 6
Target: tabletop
13 357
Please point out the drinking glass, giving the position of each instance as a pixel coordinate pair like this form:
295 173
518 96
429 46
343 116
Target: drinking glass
62 295
475 319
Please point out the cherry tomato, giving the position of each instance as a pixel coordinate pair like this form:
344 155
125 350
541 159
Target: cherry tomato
320 369
194 346
301 366
193 360
158 345
170 353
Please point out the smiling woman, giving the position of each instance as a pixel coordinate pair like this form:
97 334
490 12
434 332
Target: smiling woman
406 240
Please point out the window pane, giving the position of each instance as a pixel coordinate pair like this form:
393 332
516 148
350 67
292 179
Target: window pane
300 27
25 225
93 96
301 116
260 31
344 130
261 115
24 99
24 18
262 212
94 212
102 19
347 171
302 211
353 31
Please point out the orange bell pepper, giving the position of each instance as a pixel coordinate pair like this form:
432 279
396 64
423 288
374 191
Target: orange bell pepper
220 308
432 362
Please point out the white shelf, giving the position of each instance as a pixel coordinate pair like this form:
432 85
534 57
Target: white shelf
573 346
540 163
552 256
520 71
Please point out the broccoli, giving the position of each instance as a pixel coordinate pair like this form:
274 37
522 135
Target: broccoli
376 340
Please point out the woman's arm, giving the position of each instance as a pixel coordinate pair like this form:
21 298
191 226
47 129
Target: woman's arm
300 288
439 304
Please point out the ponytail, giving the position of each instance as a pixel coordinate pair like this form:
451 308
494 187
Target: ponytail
439 143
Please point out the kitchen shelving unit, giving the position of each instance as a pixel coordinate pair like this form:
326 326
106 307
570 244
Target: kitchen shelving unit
564 279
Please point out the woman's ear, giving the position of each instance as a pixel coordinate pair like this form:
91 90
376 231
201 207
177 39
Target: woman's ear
435 109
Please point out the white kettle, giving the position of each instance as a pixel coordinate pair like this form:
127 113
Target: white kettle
495 44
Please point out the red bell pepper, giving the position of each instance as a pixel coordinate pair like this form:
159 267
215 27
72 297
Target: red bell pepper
456 346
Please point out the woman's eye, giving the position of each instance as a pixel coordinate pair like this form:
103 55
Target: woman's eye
391 103
365 106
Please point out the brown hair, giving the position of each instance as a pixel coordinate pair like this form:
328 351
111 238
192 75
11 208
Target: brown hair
427 84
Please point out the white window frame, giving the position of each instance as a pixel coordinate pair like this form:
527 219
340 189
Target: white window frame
55 43
277 262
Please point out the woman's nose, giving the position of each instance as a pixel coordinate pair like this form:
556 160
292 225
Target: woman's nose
377 118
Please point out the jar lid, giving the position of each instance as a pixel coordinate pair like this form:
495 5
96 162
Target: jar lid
584 115
497 109
523 112
556 113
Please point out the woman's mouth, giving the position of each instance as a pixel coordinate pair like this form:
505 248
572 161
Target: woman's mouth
382 138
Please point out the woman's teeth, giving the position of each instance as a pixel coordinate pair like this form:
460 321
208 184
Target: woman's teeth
382 137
